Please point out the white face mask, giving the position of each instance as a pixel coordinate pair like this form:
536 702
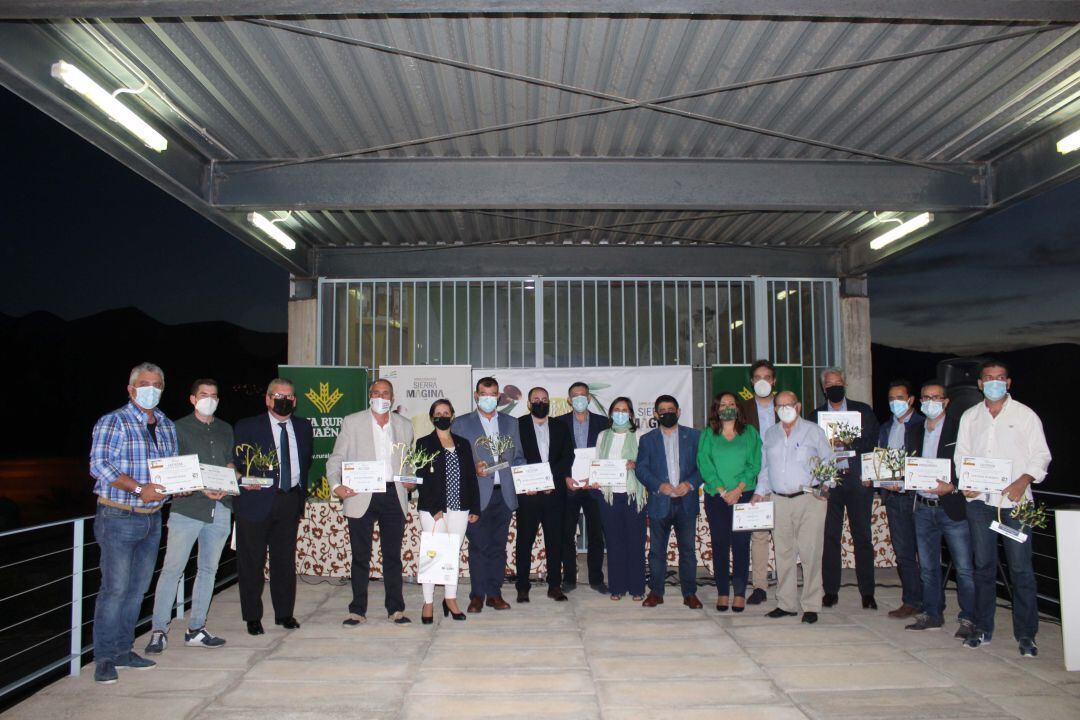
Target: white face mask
380 405
206 406
787 414
147 397
762 388
932 408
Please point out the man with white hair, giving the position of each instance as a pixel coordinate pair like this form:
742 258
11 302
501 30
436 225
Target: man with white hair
127 524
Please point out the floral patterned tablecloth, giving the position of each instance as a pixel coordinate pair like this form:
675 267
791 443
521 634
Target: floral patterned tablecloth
323 545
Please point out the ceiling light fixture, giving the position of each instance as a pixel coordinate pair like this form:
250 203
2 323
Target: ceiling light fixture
1069 143
268 227
919 221
75 79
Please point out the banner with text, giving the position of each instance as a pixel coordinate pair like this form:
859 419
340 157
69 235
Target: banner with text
640 384
325 395
417 386
736 378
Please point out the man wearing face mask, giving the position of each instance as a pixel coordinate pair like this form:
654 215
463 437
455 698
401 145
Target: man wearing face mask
204 516
374 434
851 495
667 467
903 431
584 427
488 536
1003 428
267 518
760 412
127 525
542 441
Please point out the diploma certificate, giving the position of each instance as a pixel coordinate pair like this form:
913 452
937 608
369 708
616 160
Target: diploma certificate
532 478
609 473
363 476
988 475
828 421
219 479
925 473
179 474
582 466
752 517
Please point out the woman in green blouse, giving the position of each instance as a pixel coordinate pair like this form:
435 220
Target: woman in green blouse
729 458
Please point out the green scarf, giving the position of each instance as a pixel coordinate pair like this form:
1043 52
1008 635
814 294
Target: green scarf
634 490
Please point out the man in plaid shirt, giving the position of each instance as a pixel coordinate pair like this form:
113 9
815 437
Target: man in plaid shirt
128 522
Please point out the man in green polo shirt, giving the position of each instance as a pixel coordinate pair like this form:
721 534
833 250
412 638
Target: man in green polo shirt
203 516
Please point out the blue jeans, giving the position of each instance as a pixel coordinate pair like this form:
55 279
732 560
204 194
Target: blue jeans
129 545
183 532
685 525
902 531
931 524
1025 608
724 541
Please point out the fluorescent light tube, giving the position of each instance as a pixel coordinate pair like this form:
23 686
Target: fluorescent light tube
75 79
919 221
1069 143
272 230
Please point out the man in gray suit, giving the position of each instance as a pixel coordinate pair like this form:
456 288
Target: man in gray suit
498 500
374 434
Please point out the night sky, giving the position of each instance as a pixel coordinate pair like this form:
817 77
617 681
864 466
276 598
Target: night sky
84 234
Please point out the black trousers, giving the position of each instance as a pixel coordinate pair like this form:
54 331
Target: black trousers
277 534
533 512
858 501
578 501
385 510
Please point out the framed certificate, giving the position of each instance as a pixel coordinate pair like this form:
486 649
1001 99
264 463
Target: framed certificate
875 471
219 479
830 422
926 473
745 516
532 478
179 474
609 473
363 476
582 466
988 475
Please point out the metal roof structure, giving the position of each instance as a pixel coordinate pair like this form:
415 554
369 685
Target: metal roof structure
775 137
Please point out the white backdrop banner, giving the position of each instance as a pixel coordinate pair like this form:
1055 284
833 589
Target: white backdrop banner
417 386
640 384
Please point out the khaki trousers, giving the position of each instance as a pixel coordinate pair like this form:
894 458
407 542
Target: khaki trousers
760 544
799 528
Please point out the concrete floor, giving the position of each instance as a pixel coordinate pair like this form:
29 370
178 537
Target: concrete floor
588 658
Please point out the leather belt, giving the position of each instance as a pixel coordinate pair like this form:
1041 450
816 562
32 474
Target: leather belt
792 495
130 508
927 501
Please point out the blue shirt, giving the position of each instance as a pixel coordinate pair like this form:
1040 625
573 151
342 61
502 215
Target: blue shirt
581 431
766 415
897 431
786 459
491 429
121 445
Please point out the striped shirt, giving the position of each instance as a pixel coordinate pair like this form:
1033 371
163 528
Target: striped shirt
121 445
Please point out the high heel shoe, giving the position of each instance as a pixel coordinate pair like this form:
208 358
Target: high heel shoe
427 619
446 611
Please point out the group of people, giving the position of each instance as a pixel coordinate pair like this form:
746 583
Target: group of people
756 449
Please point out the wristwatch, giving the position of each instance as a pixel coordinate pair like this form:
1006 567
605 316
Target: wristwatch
138 489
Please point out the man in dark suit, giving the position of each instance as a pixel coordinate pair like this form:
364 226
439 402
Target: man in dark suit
760 411
903 431
584 427
850 494
942 513
667 467
267 518
543 442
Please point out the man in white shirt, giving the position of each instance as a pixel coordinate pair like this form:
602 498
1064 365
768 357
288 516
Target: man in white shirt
1002 428
760 411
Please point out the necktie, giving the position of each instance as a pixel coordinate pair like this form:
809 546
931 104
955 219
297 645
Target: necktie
285 477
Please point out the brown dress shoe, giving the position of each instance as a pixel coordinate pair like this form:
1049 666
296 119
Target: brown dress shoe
476 605
498 603
557 595
692 602
904 611
652 600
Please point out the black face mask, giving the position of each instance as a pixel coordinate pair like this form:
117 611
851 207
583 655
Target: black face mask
835 393
442 423
284 406
668 419
540 409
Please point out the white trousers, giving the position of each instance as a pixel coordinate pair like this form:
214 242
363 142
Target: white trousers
454 522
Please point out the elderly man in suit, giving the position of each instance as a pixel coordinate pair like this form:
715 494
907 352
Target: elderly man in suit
267 518
380 435
667 467
488 536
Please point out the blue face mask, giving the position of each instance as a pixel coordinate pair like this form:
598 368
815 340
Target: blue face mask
620 419
580 403
932 408
487 403
994 389
898 407
147 397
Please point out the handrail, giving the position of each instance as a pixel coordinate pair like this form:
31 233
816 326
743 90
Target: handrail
32 528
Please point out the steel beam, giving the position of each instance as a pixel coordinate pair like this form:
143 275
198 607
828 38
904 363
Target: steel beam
587 183
965 10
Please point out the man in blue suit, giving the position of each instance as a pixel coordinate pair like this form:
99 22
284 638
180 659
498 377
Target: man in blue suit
667 467
488 535
267 518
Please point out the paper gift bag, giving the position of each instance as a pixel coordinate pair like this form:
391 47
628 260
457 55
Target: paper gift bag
439 558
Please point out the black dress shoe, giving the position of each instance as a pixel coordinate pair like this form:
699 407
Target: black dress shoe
829 599
599 587
288 623
757 597
255 627
556 594
523 596
809 618
778 613
569 586
868 602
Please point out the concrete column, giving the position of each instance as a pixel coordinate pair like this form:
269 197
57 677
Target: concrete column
303 322
855 337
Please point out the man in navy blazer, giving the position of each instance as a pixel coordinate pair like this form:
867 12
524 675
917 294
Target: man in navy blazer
584 427
267 518
488 535
667 467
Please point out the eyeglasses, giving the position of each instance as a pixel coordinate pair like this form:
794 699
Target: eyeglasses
924 398
282 396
